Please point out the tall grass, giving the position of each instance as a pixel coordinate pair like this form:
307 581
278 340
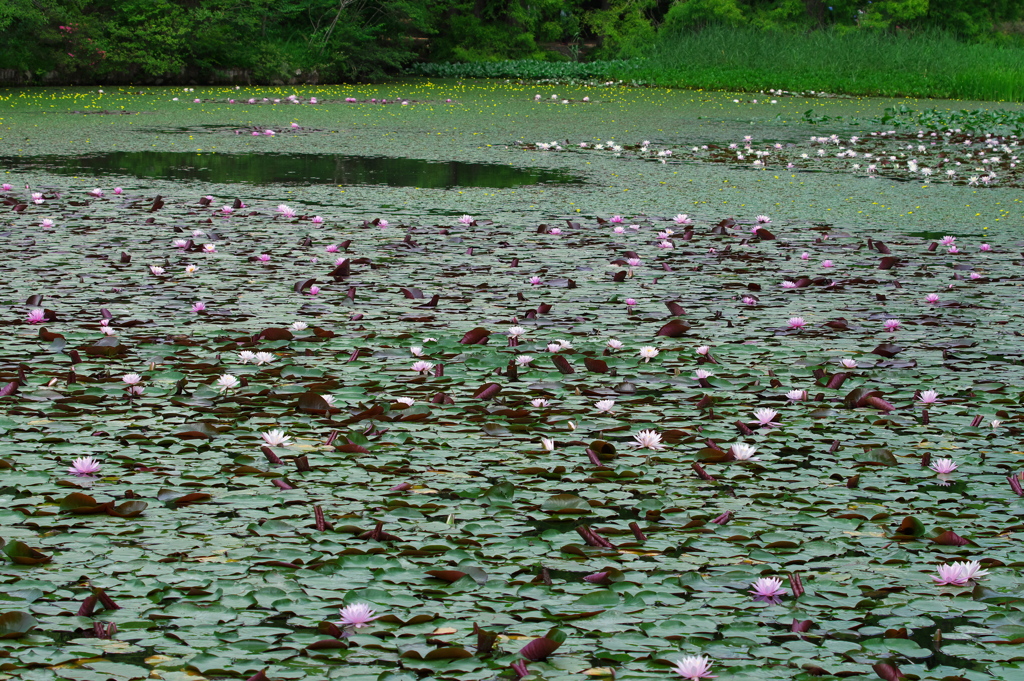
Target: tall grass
931 64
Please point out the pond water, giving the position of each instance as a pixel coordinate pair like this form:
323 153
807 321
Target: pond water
306 169
517 424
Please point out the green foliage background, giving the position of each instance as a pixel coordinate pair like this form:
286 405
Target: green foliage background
268 41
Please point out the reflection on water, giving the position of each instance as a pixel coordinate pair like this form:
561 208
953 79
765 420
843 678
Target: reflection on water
294 169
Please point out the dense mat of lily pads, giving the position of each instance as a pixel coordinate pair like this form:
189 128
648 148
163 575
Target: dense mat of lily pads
594 445
950 155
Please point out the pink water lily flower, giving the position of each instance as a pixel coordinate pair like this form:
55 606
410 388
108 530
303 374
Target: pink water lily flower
796 323
36 315
891 325
949 574
768 590
357 615
694 668
958 574
944 466
84 466
765 417
422 367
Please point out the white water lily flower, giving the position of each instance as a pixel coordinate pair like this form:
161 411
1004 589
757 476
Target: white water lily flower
276 438
227 382
264 358
743 452
648 439
648 352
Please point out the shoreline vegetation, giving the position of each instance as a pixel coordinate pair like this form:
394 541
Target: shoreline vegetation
746 60
937 49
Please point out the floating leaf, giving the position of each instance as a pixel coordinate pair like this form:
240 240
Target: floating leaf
565 503
191 431
674 329
475 336
16 624
23 554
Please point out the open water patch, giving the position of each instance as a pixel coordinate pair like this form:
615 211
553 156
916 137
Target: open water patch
271 169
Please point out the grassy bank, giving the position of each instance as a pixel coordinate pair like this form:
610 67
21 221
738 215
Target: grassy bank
857 63
860 63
